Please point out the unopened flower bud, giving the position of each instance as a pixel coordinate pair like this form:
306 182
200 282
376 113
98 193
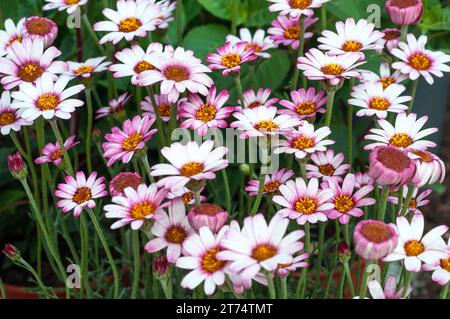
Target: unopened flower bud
17 166
404 12
160 266
11 252
209 215
244 168
344 252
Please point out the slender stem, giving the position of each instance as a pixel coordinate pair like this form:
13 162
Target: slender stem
400 198
235 17
179 17
240 92
349 279
347 234
60 140
197 198
363 289
2 290
145 163
137 264
227 190
173 118
408 279
300 50
38 279
341 284
403 33
270 285
91 32
159 123
102 238
330 102
84 239
414 87
283 288
382 202
408 198
90 118
304 276
26 138
259 195
138 98
320 245
444 291
323 17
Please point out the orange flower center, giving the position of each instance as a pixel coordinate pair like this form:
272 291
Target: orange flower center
71 2
85 69
403 3
393 159
176 73
306 206
56 155
424 156
266 126
176 235
131 142
386 82
401 140
420 62
305 108
187 197
445 264
391 35
191 169
332 69
414 248
206 113
7 118
30 72
231 60
253 105
271 186
127 180
139 211
300 4
376 232
143 66
343 203
164 109
47 102
379 103
302 143
210 263
292 33
412 204
263 252
38 27
327 169
129 25
83 194
255 47
352 46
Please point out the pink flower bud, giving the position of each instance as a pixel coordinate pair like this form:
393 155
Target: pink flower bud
160 266
344 252
209 215
17 166
11 252
122 181
404 12
374 239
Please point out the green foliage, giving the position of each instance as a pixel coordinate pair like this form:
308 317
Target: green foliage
205 39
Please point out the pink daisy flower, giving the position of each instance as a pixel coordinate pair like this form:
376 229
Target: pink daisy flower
385 77
272 182
186 195
135 61
210 215
201 256
346 202
417 200
440 267
304 103
296 8
123 180
11 34
259 42
47 98
79 192
190 162
39 28
306 203
203 116
10 118
406 133
129 21
115 108
27 62
327 165
260 98
284 270
414 248
262 121
86 69
390 289
286 31
363 179
390 39
417 61
52 152
170 231
260 246
317 66
351 36
177 72
71 6
137 206
122 144
163 104
230 57
305 141
429 168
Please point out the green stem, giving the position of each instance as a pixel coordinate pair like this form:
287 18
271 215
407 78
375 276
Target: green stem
349 279
173 118
38 279
102 238
323 17
145 163
444 291
197 197
270 285
383 202
137 264
414 87
330 102
138 98
2 290
91 32
240 92
227 190
90 118
320 245
179 18
304 276
84 239
60 140
363 289
26 138
340 291
403 33
283 289
300 50
408 279
159 123
259 195
408 198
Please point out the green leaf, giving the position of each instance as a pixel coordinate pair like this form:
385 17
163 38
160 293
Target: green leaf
272 72
259 14
205 39
223 9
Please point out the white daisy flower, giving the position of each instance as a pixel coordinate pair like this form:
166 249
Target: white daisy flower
385 77
259 42
85 69
296 8
69 5
9 117
12 33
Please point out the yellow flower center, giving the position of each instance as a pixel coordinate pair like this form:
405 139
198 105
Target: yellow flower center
327 169
71 2
343 203
85 69
271 186
47 102
379 103
7 118
164 109
266 126
187 197
255 47
231 60
206 113
129 25
210 263
176 73
176 235
352 46
414 248
401 140
302 143
131 142
38 27
332 69
191 169
292 33
376 232
56 155
386 82
412 204
306 206
143 66
300 4
82 195
263 252
30 72
445 264
139 211
305 108
424 156
420 62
